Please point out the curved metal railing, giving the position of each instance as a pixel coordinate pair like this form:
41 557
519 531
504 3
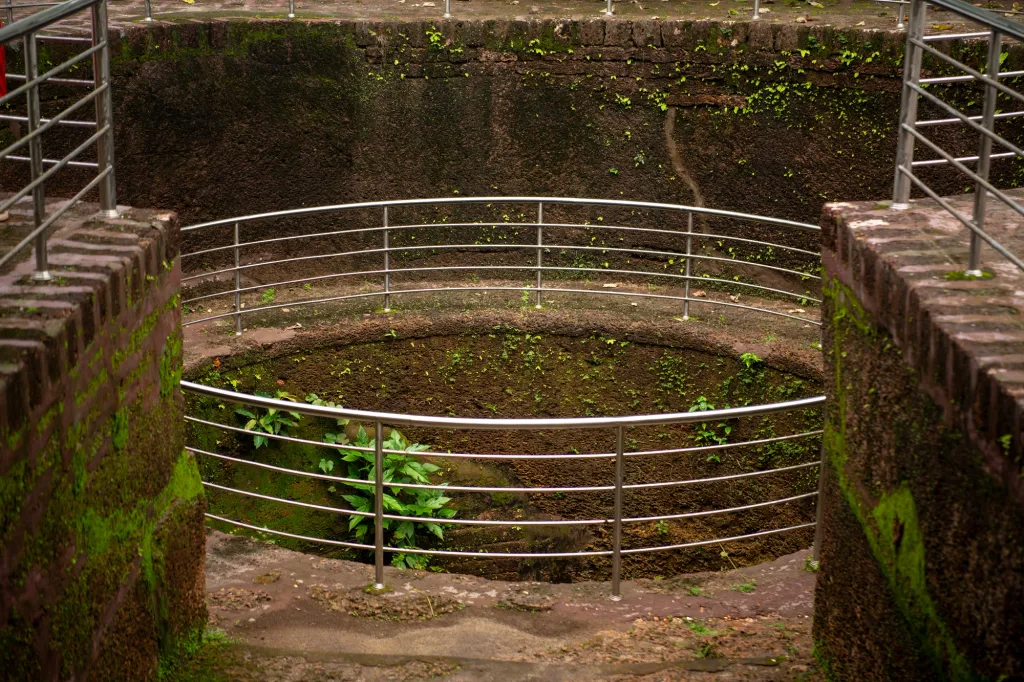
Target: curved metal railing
788 273
238 257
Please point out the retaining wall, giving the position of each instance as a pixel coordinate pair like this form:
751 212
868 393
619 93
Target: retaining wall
101 512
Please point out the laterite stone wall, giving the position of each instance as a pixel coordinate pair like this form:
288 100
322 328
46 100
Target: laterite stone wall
922 556
101 512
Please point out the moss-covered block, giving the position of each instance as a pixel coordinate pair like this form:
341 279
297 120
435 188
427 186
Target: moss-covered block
921 546
101 509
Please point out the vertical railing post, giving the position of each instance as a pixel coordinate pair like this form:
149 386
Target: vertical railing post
608 12
387 263
908 107
689 250
10 12
540 251
238 286
291 9
899 21
104 111
149 11
447 9
988 119
757 10
378 507
617 532
35 148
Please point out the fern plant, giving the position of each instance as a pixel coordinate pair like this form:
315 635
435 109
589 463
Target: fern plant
398 469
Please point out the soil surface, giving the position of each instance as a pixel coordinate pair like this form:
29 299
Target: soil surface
291 616
828 12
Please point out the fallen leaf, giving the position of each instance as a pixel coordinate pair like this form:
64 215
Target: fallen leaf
609 286
801 20
815 4
942 27
700 293
859 23
189 2
715 4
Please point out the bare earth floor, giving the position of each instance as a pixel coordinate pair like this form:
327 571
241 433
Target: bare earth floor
293 616
829 12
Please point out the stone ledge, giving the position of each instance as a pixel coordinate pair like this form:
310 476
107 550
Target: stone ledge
965 339
99 267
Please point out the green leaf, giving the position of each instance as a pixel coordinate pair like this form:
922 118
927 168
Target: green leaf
435 529
405 530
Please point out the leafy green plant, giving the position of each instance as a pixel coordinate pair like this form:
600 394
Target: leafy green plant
661 527
314 399
810 565
753 368
398 469
271 420
268 296
708 434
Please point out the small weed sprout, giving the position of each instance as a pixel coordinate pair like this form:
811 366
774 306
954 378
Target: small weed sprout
268 296
753 368
708 434
746 587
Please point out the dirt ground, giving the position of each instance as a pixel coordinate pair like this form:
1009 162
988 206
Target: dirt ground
827 12
291 616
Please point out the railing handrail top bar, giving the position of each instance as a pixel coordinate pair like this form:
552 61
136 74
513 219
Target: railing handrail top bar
42 18
507 200
982 16
497 423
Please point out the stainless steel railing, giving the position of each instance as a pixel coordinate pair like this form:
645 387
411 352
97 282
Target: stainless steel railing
995 29
248 259
235 257
616 486
27 30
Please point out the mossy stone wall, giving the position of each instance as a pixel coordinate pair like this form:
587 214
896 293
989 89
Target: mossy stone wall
101 510
922 555
223 117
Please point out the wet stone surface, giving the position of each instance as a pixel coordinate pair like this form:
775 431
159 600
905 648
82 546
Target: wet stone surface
322 623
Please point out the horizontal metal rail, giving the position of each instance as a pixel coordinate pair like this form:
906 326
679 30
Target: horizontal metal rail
492 224
497 423
562 201
513 523
509 555
500 489
469 455
510 247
